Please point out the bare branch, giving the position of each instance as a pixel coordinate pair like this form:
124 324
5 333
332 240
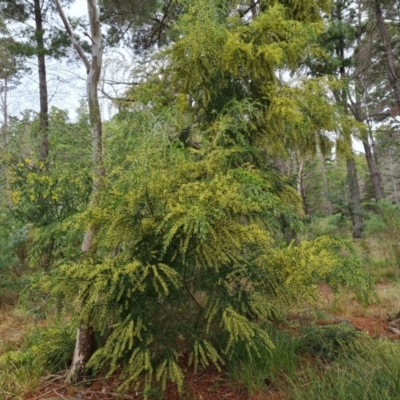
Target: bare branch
86 34
74 42
250 8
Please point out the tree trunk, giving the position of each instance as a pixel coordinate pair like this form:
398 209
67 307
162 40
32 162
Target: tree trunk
328 204
85 335
393 176
84 348
355 203
389 56
6 138
300 185
4 129
341 98
361 115
44 111
373 172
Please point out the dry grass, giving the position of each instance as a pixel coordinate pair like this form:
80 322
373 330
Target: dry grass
14 323
344 303
16 381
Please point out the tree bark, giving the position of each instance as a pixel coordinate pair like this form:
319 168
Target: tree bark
328 204
85 335
300 185
355 206
4 129
393 176
44 111
389 56
6 138
342 98
373 172
373 169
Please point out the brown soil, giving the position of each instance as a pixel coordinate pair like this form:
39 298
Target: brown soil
206 385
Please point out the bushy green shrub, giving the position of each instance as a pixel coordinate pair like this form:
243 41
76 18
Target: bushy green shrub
332 225
49 349
328 341
14 249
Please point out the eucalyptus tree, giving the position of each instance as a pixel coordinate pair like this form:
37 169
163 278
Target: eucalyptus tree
85 335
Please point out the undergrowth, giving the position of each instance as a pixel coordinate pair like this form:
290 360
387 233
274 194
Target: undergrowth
371 371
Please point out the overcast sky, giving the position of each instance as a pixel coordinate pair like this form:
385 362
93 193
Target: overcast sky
66 82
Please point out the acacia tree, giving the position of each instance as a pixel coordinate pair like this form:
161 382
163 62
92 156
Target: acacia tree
85 334
192 219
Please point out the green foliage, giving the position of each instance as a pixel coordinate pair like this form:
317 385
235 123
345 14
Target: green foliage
192 216
371 371
190 249
384 226
43 197
268 366
16 381
332 225
220 60
12 245
47 349
328 341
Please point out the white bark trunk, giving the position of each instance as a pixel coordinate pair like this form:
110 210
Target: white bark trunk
85 336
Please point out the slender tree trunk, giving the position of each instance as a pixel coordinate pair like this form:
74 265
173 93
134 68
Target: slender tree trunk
6 139
328 204
394 78
355 206
300 185
341 98
85 335
393 175
44 111
373 169
5 113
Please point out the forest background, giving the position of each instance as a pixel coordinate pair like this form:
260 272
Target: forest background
200 195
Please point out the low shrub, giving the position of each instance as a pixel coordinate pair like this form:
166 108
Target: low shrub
328 342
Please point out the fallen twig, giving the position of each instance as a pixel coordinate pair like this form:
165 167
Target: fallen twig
115 395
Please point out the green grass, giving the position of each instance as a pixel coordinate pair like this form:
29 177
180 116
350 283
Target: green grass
369 374
30 351
17 380
258 371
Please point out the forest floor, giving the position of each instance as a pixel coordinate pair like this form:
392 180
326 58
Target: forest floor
209 384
